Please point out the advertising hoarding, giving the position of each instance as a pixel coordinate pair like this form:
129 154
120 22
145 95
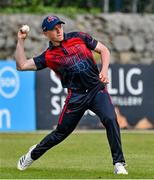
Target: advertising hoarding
17 98
131 88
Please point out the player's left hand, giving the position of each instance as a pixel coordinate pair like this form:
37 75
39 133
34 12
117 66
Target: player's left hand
103 77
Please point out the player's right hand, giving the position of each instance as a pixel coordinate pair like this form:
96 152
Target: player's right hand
21 35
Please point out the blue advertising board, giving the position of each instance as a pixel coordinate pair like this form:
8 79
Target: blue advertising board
17 98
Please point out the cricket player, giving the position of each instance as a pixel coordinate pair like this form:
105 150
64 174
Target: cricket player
70 56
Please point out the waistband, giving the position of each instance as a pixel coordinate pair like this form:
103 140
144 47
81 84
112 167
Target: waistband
99 87
79 90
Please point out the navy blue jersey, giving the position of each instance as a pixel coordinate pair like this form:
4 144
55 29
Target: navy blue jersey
72 61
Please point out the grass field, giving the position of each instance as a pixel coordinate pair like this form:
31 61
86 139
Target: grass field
80 156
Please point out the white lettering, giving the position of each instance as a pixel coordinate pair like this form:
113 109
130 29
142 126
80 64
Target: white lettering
9 82
139 88
58 89
110 89
5 114
127 101
124 82
121 81
55 104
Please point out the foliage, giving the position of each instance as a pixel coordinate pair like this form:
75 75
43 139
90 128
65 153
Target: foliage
66 7
41 6
69 11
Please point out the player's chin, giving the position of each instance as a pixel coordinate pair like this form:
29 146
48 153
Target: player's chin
60 38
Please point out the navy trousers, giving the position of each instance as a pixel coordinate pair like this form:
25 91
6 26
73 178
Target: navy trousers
97 100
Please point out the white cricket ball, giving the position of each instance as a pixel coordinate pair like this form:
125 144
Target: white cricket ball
25 29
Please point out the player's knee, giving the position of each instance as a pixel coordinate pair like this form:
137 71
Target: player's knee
110 120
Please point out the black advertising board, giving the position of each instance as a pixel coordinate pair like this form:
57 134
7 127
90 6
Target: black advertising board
131 88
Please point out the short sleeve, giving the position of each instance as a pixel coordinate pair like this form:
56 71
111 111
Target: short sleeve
89 41
40 61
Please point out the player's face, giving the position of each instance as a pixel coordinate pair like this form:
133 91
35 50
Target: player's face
56 34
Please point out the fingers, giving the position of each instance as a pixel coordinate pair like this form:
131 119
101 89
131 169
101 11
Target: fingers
100 75
103 79
21 35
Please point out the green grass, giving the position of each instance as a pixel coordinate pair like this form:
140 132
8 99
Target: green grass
80 156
